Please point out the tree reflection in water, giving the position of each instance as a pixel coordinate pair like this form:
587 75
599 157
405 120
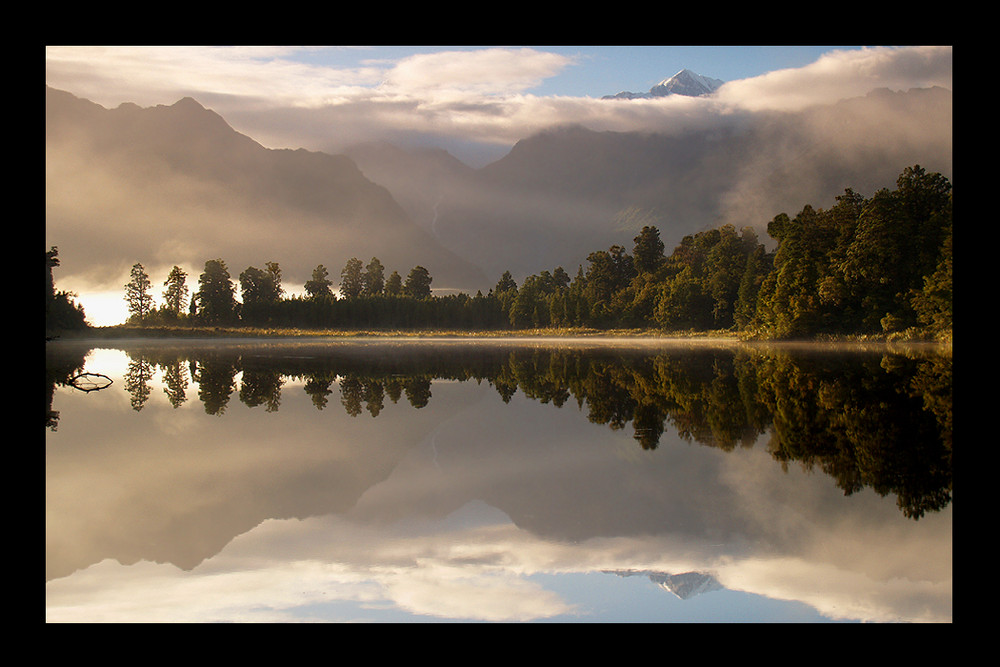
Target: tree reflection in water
879 420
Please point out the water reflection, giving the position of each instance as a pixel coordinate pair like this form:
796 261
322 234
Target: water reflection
484 460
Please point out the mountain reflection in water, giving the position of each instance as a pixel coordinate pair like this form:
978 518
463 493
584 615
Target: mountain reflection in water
820 475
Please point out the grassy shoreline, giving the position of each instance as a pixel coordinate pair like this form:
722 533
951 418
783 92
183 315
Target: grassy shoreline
181 333
126 331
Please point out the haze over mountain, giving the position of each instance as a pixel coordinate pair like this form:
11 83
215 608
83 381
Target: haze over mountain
561 194
177 185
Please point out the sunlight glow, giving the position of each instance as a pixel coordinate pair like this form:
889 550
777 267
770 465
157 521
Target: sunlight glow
104 309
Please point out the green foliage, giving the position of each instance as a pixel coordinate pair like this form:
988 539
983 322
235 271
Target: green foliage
216 296
62 313
933 303
505 284
393 284
878 266
859 267
648 250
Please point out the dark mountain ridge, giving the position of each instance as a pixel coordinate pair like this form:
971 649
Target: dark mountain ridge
206 191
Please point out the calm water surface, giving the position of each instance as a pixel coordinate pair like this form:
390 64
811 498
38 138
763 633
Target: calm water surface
504 480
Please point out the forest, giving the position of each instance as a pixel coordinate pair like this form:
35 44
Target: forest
878 266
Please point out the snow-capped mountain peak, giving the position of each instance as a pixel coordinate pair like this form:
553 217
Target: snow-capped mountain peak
684 82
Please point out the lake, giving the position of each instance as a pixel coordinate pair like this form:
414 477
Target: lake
497 480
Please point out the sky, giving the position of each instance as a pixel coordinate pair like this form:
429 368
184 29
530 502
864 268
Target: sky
466 98
475 101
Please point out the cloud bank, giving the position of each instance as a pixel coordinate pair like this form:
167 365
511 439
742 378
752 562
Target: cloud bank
482 96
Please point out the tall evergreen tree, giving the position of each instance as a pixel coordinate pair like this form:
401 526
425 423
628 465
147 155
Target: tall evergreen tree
137 296
351 279
274 271
648 250
216 296
176 295
319 285
394 284
758 265
374 278
418 283
505 284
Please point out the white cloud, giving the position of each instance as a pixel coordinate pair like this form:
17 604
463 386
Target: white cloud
159 75
483 72
842 74
479 95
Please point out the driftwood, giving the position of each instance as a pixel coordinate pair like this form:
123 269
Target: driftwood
90 381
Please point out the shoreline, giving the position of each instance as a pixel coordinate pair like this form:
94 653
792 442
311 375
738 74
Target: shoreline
246 334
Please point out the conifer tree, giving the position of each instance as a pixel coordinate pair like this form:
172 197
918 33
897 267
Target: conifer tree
319 284
137 295
216 296
394 284
351 279
418 283
374 278
176 294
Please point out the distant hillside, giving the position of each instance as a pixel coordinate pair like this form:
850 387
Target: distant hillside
419 179
176 184
563 193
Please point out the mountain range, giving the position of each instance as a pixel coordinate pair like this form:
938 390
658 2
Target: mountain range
173 184
561 194
177 185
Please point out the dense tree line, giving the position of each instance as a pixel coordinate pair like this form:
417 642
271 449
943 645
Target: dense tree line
877 266
61 311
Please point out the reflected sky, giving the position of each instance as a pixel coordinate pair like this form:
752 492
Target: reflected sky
466 509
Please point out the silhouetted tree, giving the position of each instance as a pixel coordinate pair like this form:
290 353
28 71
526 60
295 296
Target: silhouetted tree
176 294
373 280
351 279
61 312
418 283
216 296
320 283
261 291
258 287
137 296
394 284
